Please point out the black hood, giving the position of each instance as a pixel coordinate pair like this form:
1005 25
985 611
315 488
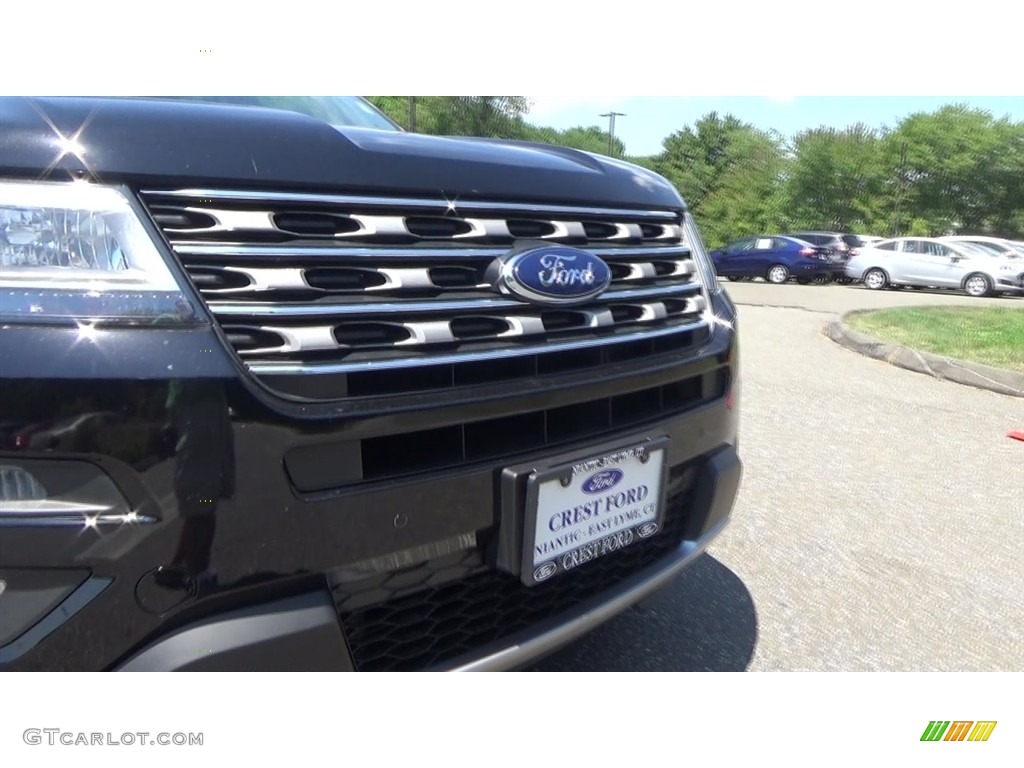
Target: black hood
140 142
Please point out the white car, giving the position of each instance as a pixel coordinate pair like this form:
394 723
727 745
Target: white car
931 262
994 245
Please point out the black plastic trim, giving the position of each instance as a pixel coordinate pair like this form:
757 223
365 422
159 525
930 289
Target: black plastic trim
718 483
71 605
291 635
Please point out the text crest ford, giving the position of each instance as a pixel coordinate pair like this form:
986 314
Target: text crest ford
554 275
602 481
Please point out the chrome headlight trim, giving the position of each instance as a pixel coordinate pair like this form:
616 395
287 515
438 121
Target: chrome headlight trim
78 251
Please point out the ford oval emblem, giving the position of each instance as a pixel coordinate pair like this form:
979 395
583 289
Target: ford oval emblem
545 571
602 480
647 529
553 274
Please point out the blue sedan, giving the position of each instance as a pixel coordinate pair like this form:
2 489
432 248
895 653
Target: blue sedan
776 259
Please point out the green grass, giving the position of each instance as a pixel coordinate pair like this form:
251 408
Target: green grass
989 335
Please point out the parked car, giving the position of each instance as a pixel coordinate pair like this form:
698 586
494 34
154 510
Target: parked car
841 246
776 258
853 242
930 262
995 246
430 402
866 240
834 241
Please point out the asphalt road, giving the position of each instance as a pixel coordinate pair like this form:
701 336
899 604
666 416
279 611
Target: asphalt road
880 523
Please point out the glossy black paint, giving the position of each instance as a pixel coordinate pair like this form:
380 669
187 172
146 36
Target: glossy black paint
227 513
177 143
62 352
197 444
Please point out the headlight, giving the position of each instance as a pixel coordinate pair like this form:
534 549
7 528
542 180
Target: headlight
700 255
81 251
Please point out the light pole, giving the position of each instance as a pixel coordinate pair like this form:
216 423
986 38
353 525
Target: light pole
611 128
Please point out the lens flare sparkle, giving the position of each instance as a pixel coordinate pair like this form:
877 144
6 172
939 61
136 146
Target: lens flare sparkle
708 316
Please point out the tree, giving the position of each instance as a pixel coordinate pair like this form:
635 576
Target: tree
960 170
729 173
748 197
693 159
1006 174
836 180
954 170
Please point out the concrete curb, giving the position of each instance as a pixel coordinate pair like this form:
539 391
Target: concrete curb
958 371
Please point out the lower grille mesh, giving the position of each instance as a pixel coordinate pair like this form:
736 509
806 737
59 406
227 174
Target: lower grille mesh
433 624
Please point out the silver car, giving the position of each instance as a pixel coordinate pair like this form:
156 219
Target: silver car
994 245
929 262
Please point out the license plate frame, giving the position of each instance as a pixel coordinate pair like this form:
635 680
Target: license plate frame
547 494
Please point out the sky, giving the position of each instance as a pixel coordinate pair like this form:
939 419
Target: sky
705 53
649 119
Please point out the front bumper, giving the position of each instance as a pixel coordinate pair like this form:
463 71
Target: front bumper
236 502
302 633
1010 284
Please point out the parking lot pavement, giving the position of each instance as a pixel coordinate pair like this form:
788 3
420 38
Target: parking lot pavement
843 298
880 522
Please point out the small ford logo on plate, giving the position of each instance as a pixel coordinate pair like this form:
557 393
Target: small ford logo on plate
546 571
553 274
602 481
647 529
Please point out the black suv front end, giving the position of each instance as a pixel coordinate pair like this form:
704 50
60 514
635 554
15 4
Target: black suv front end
273 396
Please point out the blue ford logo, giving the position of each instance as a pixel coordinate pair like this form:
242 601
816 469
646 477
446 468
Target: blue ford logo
602 481
553 274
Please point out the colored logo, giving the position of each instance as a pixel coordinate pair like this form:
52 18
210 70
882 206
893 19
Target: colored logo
553 274
603 480
958 730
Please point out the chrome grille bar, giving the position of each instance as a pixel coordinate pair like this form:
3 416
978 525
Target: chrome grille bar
358 226
267 279
362 201
424 333
270 309
395 279
288 367
319 253
320 283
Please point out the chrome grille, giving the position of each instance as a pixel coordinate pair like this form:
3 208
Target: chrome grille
338 284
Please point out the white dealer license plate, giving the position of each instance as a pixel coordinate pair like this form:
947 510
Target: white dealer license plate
576 513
